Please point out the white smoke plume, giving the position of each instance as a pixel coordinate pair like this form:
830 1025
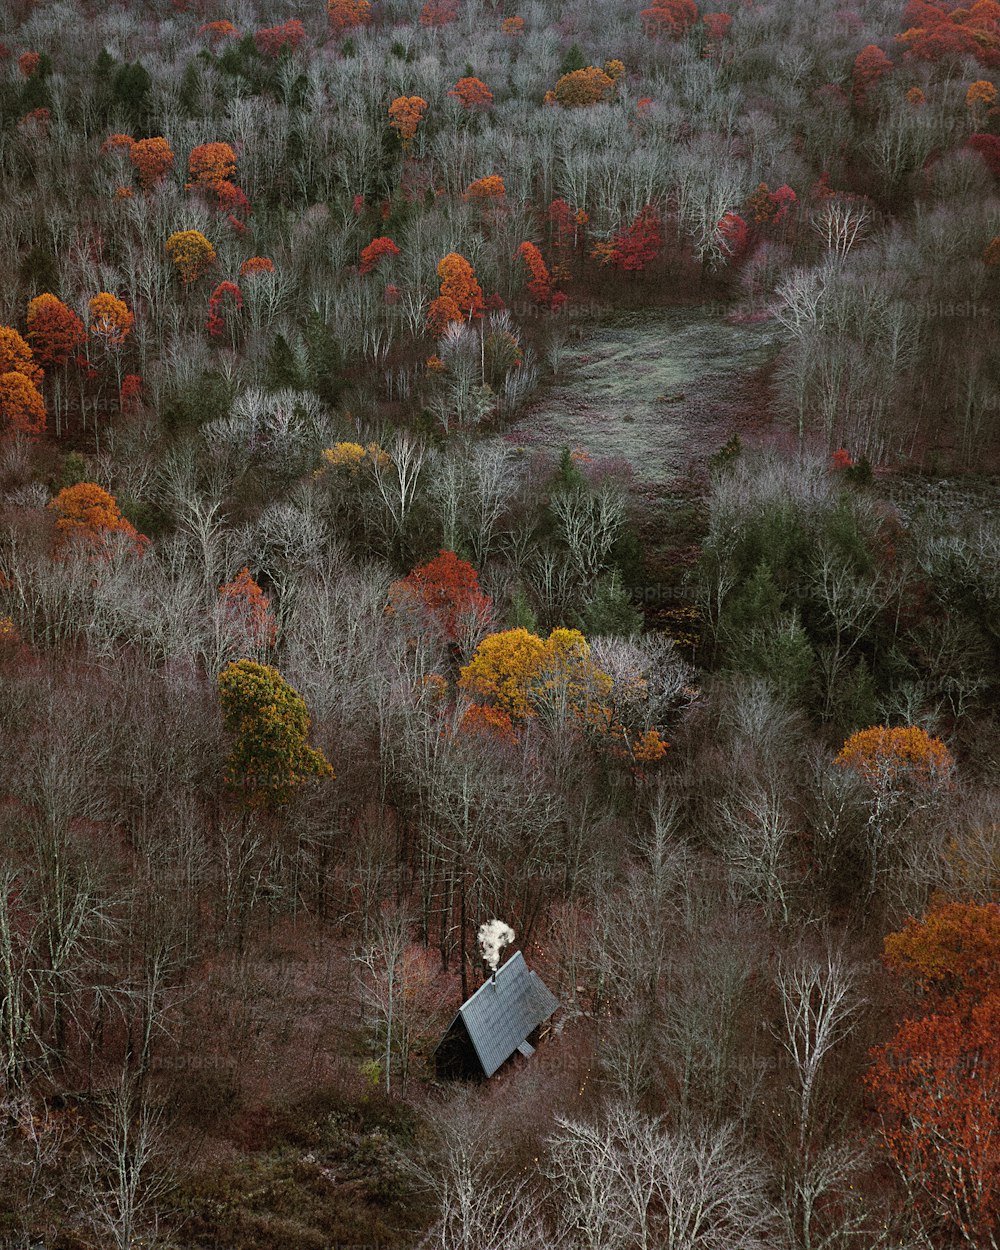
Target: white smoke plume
494 935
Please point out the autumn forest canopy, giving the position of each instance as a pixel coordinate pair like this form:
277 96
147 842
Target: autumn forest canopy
492 461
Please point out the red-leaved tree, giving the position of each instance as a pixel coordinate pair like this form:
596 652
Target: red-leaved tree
444 597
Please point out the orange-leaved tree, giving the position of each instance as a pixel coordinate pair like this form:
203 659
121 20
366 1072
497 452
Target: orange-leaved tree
377 250
55 331
903 773
191 253
117 142
223 29
438 12
256 264
936 1087
472 93
887 757
936 1084
152 160
268 725
952 954
669 18
443 596
273 40
344 14
210 164
16 356
110 319
22 409
405 115
88 516
539 281
246 618
458 283
582 87
490 188
441 313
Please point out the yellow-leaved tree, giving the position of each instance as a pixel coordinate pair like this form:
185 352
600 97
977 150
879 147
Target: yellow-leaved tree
268 725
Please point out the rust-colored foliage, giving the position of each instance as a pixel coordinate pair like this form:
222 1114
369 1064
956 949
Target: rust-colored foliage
17 357
273 40
110 319
406 113
937 1089
581 88
247 610
771 208
952 954
256 264
512 25
486 189
669 18
988 147
734 236
991 253
22 409
130 394
55 331
441 313
28 63
345 14
443 594
438 12
936 35
191 253
458 283
893 757
566 224
209 164
936 1085
871 65
87 515
980 97
118 143
36 123
377 250
490 722
633 248
539 280
716 26
152 160
472 93
216 323
217 31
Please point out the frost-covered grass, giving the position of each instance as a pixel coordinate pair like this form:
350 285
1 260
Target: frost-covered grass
654 388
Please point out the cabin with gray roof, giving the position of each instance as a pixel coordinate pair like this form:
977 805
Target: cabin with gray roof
496 1022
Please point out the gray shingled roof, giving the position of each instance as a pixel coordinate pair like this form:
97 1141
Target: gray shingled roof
501 1013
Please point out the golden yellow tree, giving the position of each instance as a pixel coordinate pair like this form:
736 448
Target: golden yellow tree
191 253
